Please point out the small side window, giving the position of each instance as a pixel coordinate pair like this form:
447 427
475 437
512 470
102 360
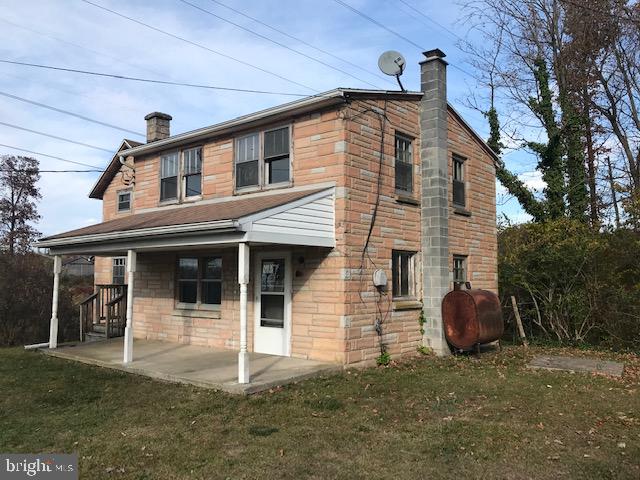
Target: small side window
118 270
403 271
404 165
124 201
459 269
459 195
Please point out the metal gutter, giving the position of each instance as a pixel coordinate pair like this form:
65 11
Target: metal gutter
217 225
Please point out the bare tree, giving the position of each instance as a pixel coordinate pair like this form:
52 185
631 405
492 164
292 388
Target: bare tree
18 196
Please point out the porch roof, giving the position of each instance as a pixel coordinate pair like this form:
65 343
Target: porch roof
244 215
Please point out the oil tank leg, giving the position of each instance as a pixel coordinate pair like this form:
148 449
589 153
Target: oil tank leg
478 349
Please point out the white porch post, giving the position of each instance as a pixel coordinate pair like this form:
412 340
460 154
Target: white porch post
243 280
53 326
128 330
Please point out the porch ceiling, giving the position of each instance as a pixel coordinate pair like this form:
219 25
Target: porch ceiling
297 217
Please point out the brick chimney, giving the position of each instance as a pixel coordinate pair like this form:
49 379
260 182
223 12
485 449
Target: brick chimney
435 197
157 126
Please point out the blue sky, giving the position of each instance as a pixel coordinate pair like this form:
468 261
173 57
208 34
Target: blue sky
74 34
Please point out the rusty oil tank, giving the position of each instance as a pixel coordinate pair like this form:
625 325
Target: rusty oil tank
471 317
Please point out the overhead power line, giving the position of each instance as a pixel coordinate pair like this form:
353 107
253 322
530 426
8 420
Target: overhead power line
199 45
393 32
66 112
49 156
280 44
303 42
17 127
19 170
431 20
375 22
151 80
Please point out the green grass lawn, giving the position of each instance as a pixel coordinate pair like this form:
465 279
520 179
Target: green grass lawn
428 418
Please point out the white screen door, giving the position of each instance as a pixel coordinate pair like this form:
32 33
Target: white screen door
273 304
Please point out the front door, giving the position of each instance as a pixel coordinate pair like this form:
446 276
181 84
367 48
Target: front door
273 304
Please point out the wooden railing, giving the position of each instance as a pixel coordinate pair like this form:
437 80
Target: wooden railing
104 310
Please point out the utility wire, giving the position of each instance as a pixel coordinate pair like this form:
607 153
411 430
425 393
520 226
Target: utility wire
37 170
375 22
275 42
393 32
49 156
17 127
199 45
438 24
66 112
303 42
150 80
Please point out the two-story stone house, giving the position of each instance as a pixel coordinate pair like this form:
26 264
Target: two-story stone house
317 229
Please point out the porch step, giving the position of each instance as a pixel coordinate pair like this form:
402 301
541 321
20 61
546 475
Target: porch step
95 336
99 328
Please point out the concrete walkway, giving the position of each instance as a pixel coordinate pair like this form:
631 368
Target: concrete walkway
200 366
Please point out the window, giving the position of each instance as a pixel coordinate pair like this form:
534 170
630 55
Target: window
189 171
200 280
404 164
192 172
459 268
247 161
458 181
276 155
263 158
169 166
403 268
118 270
124 201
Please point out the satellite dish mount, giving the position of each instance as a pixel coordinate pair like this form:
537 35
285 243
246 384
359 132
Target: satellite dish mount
392 63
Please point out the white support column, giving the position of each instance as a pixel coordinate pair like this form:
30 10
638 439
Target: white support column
243 280
128 330
53 326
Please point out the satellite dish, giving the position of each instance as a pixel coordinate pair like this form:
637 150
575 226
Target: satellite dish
392 63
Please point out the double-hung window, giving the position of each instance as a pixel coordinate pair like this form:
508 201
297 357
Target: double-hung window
118 270
124 201
199 281
459 195
169 169
404 165
192 172
181 174
403 271
262 158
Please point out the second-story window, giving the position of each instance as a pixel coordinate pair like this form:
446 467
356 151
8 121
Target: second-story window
459 196
124 201
169 166
404 165
181 174
192 172
262 158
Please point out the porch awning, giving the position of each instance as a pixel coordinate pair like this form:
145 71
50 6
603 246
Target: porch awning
301 217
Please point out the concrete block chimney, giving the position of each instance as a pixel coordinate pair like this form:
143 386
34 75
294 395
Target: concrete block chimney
435 197
158 126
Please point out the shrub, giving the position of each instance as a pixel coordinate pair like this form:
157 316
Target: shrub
573 285
26 286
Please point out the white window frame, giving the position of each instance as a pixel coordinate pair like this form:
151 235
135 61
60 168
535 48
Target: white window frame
199 305
119 262
262 163
181 177
124 192
411 278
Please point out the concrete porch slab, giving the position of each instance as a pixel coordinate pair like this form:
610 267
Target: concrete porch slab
577 364
201 366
